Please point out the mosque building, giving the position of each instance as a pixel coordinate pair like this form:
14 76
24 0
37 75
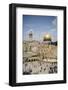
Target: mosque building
47 39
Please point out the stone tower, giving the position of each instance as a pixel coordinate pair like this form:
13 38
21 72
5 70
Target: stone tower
30 36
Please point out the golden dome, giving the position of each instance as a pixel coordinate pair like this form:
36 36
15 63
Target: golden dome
47 37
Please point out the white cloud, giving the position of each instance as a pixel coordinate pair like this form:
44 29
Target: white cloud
54 22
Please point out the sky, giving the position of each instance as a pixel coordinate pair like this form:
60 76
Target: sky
40 26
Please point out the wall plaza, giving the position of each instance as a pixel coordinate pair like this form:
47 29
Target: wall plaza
39 57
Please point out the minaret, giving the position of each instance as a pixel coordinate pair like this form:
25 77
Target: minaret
30 36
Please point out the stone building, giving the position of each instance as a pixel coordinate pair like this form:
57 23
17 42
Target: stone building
33 49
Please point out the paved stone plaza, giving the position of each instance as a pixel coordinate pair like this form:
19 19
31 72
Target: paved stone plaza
38 67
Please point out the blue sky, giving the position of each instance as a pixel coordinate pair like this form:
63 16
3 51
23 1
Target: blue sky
40 26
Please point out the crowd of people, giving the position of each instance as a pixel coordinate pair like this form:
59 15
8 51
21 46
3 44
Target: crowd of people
39 67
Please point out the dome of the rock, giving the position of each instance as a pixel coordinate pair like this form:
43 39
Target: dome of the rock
47 37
